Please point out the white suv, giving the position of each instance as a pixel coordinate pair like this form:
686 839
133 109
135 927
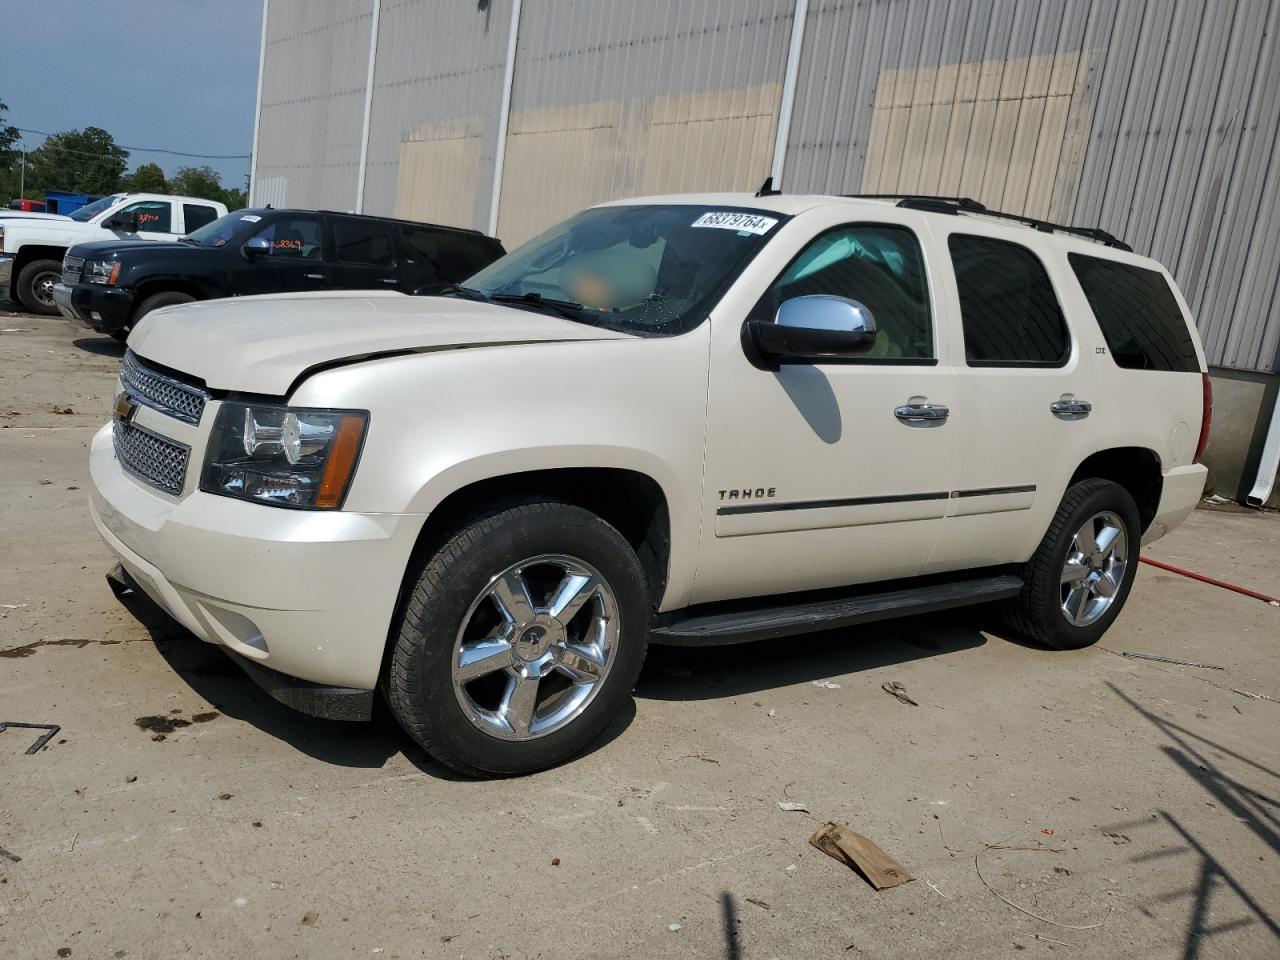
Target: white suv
697 419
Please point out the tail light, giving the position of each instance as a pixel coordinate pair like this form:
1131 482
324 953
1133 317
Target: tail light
1206 418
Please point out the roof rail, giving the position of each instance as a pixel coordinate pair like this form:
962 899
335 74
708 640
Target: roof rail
956 205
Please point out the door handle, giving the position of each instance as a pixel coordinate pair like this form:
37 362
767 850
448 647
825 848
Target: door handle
389 280
921 413
314 276
1070 409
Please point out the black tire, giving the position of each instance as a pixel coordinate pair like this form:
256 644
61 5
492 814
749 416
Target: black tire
1037 612
419 680
166 298
34 289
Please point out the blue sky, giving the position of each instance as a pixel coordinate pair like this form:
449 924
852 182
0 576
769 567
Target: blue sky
178 74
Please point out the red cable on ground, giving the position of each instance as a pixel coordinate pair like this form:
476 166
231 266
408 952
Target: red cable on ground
1217 583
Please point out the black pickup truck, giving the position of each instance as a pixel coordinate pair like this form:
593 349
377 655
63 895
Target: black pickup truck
111 285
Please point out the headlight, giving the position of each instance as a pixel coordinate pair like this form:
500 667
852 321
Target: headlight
102 271
285 456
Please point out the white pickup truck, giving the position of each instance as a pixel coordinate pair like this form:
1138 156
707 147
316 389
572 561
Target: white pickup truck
32 246
698 419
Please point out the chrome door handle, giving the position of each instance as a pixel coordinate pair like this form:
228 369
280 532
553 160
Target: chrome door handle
1070 409
314 276
921 412
389 280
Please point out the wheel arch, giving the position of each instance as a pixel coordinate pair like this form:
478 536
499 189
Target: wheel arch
35 251
1137 469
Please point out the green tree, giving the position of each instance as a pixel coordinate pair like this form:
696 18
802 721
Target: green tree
87 161
201 182
146 178
10 157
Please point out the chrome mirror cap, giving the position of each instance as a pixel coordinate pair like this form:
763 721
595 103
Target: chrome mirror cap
824 312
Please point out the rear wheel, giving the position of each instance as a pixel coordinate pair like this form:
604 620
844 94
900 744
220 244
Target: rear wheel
1078 580
34 289
522 638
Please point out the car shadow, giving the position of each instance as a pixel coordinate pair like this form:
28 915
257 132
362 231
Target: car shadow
102 346
705 673
208 671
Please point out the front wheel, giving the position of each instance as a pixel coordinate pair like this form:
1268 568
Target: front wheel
1080 576
521 639
34 289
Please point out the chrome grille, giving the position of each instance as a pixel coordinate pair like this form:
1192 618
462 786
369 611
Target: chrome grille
151 458
152 388
71 269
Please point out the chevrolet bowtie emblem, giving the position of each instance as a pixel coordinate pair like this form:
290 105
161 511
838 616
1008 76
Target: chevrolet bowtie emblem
125 407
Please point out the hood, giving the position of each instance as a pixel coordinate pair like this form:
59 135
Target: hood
103 249
265 344
30 215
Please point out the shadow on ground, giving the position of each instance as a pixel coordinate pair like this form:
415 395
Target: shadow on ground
102 346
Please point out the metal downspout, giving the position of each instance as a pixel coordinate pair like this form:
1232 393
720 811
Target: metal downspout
788 91
368 106
1266 478
257 109
504 116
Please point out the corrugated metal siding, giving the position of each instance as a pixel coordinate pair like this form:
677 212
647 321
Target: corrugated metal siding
1155 119
614 98
1168 135
313 82
437 87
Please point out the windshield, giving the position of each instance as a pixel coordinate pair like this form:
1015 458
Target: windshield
645 269
91 210
221 231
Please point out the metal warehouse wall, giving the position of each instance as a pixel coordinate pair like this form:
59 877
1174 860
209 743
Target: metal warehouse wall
1155 119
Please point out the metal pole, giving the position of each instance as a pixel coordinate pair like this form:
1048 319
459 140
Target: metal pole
257 110
504 117
368 107
788 91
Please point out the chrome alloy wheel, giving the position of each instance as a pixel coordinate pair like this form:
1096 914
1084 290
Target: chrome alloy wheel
535 647
1094 569
42 287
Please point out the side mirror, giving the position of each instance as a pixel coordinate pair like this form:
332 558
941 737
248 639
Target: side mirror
810 330
124 222
255 246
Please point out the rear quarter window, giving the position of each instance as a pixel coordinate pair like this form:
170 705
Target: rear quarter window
1139 316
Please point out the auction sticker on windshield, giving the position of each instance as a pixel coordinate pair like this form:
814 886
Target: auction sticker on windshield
742 222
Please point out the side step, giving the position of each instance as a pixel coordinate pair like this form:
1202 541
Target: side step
696 629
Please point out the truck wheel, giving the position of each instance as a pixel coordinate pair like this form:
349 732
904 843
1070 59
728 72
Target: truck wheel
1080 576
166 298
521 638
34 289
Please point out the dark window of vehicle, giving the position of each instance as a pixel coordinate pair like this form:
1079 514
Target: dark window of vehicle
91 210
363 241
441 256
196 215
221 231
154 216
878 265
1139 317
1008 308
293 237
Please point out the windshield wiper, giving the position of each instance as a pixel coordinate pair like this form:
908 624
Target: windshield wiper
565 308
194 243
457 290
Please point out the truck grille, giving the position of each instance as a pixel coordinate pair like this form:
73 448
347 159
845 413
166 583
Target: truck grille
160 392
150 457
71 269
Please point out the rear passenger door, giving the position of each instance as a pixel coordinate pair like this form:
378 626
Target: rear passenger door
364 255
197 215
1024 388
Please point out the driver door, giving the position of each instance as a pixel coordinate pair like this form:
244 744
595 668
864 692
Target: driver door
812 479
156 220
293 260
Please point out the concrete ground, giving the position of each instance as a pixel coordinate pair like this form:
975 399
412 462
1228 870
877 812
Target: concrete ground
1134 805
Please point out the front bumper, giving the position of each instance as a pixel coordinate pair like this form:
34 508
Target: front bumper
101 308
6 273
310 595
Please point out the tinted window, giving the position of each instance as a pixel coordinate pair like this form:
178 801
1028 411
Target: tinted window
154 216
363 241
1139 317
1010 314
196 215
293 237
880 267
436 256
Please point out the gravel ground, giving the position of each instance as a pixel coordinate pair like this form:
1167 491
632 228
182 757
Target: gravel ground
180 812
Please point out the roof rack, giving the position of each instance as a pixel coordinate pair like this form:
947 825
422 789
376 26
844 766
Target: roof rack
956 205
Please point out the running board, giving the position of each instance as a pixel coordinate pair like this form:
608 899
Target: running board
698 629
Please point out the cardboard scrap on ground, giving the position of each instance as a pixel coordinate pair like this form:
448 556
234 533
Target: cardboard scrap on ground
858 853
